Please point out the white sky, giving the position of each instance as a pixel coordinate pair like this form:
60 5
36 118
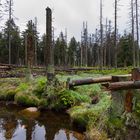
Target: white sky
70 14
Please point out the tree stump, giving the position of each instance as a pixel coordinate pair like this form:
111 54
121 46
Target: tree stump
122 99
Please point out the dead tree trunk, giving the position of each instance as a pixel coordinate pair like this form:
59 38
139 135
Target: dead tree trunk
137 30
88 81
115 34
9 30
25 49
124 85
30 50
49 48
109 45
101 35
133 43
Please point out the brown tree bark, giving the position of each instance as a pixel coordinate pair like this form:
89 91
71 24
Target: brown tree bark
124 85
89 81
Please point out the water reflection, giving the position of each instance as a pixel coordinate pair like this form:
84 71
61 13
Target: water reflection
49 126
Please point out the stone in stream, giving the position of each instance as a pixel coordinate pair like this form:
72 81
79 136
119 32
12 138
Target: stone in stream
31 109
31 112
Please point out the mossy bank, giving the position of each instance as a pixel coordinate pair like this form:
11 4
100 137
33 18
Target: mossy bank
88 106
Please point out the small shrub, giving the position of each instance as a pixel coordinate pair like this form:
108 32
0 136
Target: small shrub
68 98
39 88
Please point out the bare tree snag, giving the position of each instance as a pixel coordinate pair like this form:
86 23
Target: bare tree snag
101 35
9 30
137 31
115 33
133 33
49 48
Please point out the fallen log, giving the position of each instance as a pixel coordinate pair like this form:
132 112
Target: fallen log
88 81
124 85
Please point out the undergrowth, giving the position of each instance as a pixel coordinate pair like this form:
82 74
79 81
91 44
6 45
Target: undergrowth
79 100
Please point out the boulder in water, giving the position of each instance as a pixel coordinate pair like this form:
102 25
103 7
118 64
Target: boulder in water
31 112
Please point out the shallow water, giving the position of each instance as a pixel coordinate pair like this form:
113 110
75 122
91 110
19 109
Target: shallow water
48 126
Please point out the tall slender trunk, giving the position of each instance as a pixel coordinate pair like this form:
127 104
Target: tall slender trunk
133 44
115 35
26 49
35 38
105 47
81 53
101 35
109 46
137 30
49 47
9 30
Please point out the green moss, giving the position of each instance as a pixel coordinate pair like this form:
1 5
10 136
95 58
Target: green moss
116 123
7 94
107 72
26 99
91 114
90 90
23 87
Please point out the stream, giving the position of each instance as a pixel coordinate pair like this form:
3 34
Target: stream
48 126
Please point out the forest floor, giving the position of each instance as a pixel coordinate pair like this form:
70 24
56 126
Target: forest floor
88 106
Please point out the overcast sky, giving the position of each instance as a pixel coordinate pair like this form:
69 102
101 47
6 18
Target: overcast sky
70 14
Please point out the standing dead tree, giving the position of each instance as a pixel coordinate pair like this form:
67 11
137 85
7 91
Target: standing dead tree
109 44
132 26
8 5
49 47
35 40
115 34
137 31
101 34
84 45
29 48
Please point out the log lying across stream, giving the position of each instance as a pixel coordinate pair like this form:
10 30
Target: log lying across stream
88 81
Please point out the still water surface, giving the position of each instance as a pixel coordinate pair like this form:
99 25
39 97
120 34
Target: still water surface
48 126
